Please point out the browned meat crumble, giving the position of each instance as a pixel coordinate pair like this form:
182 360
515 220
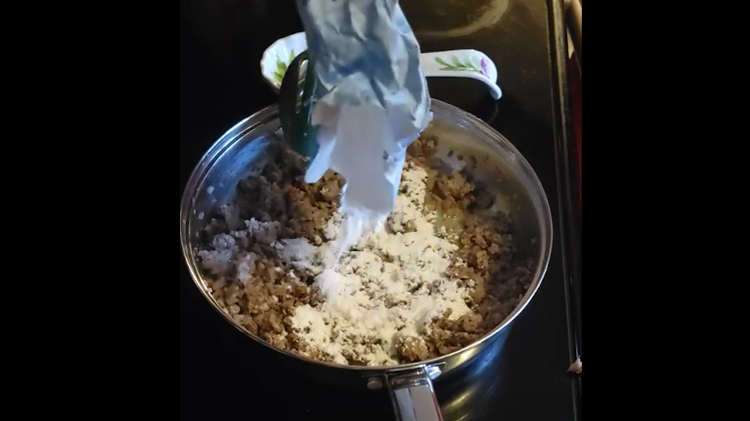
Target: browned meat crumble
262 294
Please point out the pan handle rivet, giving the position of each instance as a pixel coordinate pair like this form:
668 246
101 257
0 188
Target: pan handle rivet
375 383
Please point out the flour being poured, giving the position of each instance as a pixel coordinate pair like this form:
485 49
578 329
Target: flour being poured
371 102
387 290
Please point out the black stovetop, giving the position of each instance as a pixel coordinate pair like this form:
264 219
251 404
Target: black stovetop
222 374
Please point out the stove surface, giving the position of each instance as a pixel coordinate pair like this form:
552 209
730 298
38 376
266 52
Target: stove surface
224 374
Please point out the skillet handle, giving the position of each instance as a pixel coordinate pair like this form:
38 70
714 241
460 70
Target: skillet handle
414 397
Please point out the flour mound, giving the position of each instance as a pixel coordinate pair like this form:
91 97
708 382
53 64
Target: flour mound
387 291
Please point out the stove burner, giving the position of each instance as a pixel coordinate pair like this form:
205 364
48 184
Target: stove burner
453 18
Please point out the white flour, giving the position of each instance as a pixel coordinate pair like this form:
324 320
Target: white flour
390 286
228 248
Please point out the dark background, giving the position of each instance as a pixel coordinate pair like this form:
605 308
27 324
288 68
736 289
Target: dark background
222 374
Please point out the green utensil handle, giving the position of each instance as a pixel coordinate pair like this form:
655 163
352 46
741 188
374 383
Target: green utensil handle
295 113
